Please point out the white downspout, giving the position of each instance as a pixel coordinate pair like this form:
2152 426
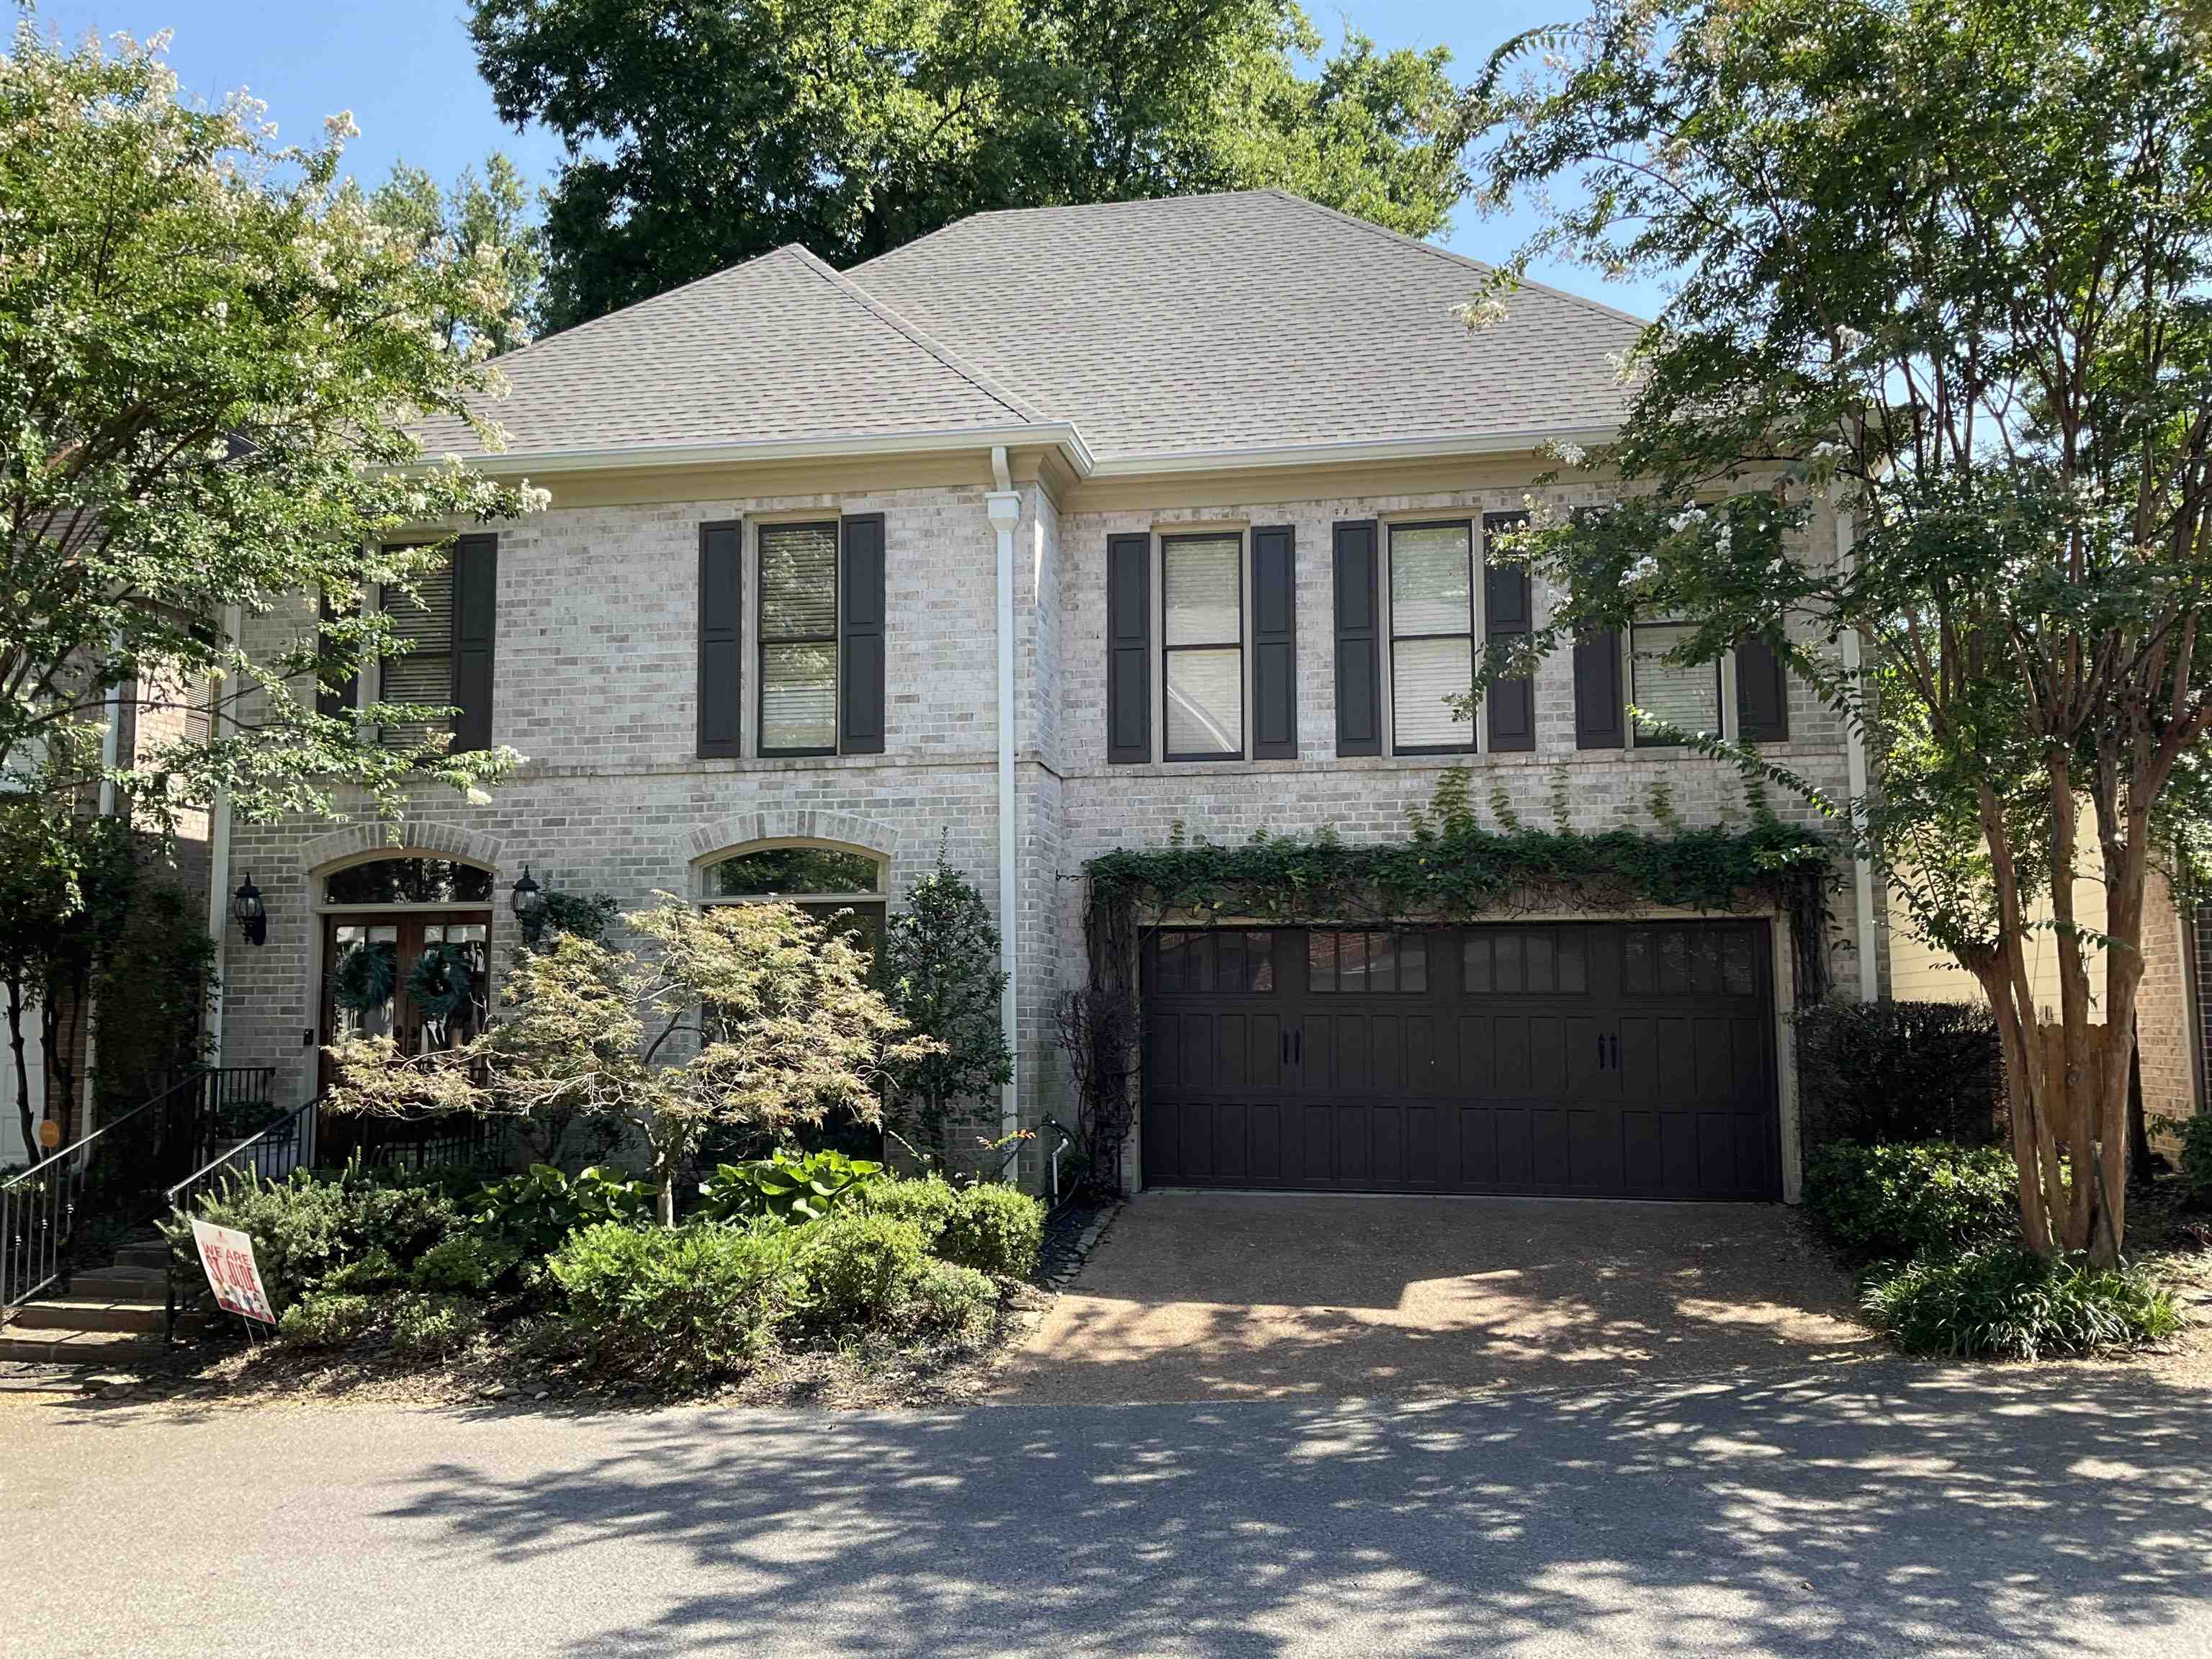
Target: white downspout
1855 763
218 910
1005 506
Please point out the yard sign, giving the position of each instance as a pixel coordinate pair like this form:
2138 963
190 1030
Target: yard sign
228 1255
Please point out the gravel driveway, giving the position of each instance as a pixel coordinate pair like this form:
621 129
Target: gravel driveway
1205 1296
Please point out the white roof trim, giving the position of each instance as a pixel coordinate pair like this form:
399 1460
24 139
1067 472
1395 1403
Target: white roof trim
1326 454
635 457
1061 435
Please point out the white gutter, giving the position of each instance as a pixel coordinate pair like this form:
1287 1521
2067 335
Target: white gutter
218 910
634 457
1060 434
1514 442
1854 765
1005 506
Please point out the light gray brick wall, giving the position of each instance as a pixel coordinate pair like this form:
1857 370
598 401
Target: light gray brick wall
595 683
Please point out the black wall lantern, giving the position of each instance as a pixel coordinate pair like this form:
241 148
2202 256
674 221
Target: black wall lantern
529 901
252 915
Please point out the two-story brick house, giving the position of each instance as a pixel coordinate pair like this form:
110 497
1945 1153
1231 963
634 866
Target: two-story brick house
1041 536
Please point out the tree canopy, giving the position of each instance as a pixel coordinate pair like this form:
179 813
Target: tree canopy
1943 265
211 348
702 135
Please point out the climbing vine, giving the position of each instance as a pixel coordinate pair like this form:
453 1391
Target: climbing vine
1450 868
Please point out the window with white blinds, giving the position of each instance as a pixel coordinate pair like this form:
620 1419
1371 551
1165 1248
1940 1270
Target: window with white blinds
1431 636
1687 695
1202 618
423 675
799 639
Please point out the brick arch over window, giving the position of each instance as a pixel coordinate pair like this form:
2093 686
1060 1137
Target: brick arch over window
409 837
742 829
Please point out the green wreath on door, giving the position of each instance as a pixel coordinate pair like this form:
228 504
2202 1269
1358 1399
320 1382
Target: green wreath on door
442 982
362 979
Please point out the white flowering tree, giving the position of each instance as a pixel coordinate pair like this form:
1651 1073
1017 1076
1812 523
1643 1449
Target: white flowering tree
1944 262
210 348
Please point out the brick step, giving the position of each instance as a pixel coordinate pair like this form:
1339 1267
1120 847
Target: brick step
76 1313
120 1284
74 1347
140 1254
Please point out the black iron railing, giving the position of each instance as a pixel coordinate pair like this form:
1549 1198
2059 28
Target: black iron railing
301 1140
118 1172
270 1153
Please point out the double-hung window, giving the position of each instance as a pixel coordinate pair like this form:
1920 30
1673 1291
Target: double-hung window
1202 631
1431 636
1685 695
799 639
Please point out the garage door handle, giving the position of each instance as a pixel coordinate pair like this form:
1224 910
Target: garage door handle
1298 1047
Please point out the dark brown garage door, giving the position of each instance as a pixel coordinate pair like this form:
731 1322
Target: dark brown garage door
1605 1059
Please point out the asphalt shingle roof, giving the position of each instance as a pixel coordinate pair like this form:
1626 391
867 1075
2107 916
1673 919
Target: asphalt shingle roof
781 349
1246 320
1198 324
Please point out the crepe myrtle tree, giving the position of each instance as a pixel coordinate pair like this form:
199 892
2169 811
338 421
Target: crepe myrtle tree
210 350
1943 262
940 970
753 1018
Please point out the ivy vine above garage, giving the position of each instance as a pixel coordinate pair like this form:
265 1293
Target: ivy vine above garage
1450 867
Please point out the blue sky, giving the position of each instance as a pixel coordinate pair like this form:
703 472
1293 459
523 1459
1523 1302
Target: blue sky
404 69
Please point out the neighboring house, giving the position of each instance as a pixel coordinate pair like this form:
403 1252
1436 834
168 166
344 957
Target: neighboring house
2172 1032
1045 535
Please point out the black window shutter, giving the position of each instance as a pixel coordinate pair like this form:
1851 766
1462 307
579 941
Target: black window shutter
335 700
1274 643
476 604
1508 611
1359 641
1762 692
861 637
721 636
1600 710
1128 649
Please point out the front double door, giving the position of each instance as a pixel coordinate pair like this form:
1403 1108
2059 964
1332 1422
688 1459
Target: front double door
1585 1058
374 983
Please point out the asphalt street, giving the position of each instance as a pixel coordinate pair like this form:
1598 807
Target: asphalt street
1874 1508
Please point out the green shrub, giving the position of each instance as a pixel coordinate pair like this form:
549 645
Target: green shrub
1891 1203
928 1203
432 1327
950 1296
298 1226
402 1215
1875 1072
859 1267
464 1262
681 1308
2004 1303
535 1210
326 1320
791 1186
993 1228
376 1271
2196 1134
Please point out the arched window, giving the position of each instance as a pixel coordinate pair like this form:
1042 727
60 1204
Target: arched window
821 879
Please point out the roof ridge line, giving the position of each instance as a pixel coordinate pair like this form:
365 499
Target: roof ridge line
1403 240
1012 402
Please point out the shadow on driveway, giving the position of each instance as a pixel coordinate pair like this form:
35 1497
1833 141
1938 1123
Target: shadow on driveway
1876 1510
1197 1296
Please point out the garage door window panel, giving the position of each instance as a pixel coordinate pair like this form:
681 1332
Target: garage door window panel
1354 962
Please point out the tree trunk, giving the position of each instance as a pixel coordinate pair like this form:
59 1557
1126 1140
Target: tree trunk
33 1151
2139 1164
